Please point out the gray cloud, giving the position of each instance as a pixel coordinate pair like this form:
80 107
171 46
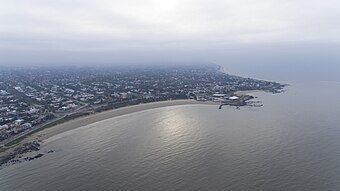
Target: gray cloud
114 30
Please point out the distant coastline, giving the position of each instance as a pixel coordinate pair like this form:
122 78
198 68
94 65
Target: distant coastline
220 89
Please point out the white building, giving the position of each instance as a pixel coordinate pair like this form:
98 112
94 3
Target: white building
233 98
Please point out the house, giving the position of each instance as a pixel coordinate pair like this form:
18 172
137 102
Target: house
18 121
233 98
219 95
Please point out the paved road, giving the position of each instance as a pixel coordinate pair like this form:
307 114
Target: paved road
24 133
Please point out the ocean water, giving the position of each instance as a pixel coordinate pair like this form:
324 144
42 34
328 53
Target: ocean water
291 143
297 71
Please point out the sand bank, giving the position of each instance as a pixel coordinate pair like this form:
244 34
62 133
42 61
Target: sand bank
82 121
86 120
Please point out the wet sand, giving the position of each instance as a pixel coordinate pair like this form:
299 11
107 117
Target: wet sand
82 121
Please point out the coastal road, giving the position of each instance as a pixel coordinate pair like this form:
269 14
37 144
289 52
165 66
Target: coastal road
35 128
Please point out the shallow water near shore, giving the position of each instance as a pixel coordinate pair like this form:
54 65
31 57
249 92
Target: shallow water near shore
291 143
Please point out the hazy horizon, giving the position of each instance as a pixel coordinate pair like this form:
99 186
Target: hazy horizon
113 95
262 39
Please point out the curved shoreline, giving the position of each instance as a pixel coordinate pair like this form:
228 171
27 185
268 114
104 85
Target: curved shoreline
86 120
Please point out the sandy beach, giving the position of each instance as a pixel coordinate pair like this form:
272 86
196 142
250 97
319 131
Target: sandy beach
82 121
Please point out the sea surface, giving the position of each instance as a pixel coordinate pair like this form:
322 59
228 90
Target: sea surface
291 143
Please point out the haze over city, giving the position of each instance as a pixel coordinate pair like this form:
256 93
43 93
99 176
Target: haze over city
78 32
169 95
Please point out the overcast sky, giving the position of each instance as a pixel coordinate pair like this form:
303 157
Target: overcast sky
89 31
